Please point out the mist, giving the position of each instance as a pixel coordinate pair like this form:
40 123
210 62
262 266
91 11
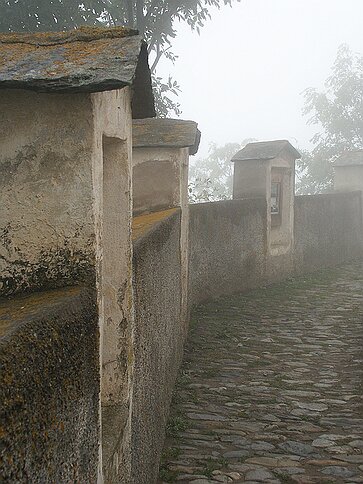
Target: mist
167 314
244 75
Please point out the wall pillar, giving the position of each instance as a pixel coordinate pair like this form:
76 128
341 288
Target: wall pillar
112 169
267 170
161 150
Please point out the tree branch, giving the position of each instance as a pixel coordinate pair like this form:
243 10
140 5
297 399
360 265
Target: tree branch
159 53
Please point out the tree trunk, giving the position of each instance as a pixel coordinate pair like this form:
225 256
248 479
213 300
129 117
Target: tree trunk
140 21
130 13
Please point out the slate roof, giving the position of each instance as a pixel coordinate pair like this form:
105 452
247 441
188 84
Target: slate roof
350 158
265 150
84 60
172 133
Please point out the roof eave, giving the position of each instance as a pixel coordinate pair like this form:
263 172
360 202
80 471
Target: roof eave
122 62
288 146
166 133
40 87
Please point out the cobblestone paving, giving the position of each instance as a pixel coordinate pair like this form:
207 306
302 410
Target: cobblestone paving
271 387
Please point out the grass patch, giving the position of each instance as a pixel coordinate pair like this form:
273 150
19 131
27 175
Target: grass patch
242 414
194 396
170 453
183 380
284 478
212 465
166 474
210 373
175 426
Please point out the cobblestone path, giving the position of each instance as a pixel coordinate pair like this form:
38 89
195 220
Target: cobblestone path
271 387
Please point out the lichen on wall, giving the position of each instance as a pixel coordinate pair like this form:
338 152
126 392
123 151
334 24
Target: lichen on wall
46 220
49 387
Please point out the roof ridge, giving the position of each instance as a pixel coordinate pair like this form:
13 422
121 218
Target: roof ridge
268 141
82 34
264 150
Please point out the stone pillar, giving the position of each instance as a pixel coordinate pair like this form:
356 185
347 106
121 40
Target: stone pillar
161 150
267 170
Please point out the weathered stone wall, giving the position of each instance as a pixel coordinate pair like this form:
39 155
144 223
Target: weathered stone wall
158 341
156 179
228 251
49 387
160 182
328 230
65 218
46 224
227 243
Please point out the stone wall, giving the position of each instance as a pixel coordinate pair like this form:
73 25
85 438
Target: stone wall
46 223
49 341
158 341
65 212
49 386
227 243
328 230
156 179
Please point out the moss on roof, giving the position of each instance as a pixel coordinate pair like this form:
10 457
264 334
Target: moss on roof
89 59
75 47
82 34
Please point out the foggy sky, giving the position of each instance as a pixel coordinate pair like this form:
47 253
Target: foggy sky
244 75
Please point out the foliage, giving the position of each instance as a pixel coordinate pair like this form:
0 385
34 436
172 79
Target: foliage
52 15
155 19
175 426
339 112
164 103
211 179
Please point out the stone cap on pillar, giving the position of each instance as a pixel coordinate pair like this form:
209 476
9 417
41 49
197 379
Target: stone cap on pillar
88 59
350 158
166 133
266 150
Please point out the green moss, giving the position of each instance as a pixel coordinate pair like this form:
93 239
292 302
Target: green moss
82 34
166 474
170 453
175 426
284 478
212 465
